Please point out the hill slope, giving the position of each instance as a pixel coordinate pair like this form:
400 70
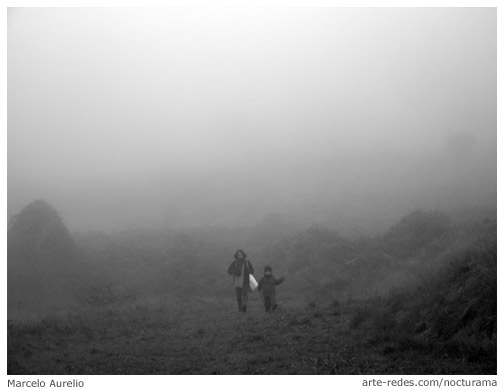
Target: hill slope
43 261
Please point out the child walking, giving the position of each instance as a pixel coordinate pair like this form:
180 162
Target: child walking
266 288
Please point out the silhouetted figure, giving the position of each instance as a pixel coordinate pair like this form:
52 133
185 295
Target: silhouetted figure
240 269
267 288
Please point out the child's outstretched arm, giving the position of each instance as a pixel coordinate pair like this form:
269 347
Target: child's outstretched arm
278 281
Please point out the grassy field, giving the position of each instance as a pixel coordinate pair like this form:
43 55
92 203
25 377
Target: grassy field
207 336
420 299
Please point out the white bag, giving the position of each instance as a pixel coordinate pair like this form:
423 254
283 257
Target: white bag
253 283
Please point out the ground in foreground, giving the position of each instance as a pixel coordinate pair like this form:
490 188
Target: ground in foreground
208 336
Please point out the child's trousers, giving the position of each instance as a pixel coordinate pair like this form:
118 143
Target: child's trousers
269 302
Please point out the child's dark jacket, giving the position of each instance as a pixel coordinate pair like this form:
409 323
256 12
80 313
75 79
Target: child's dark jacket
267 284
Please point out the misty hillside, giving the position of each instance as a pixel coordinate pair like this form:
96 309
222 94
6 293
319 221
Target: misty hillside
451 310
37 235
425 285
318 261
43 261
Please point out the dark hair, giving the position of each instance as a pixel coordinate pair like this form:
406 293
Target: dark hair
267 268
239 251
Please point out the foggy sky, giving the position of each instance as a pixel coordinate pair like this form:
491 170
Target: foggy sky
142 117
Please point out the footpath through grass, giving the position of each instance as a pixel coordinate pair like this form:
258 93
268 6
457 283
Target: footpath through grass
208 336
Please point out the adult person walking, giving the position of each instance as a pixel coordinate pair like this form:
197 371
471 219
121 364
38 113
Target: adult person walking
240 269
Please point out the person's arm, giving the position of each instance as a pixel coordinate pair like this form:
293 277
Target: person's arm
231 268
250 267
278 281
259 286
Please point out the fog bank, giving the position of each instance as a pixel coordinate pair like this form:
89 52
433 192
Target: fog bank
162 118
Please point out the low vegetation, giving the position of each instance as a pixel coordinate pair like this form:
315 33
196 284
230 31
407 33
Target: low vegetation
451 311
420 299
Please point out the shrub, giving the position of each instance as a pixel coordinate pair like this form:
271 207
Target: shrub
458 302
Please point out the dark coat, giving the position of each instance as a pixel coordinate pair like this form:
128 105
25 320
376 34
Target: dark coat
236 271
267 285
